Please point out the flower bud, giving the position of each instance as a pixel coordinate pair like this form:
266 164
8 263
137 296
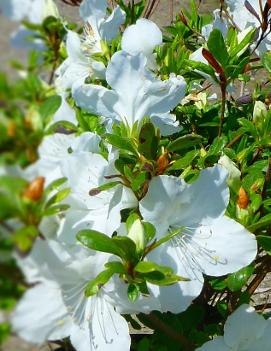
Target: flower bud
234 173
137 234
259 112
35 189
243 199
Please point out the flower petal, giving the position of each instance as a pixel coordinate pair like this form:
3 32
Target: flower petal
177 297
141 37
223 247
37 322
243 327
93 8
106 330
216 344
110 27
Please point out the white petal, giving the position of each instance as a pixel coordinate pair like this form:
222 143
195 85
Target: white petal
110 27
91 169
73 46
41 315
243 327
93 8
106 330
23 38
217 344
161 204
166 123
263 343
96 99
141 37
223 247
177 297
208 197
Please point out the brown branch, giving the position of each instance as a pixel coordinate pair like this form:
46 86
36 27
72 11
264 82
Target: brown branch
160 325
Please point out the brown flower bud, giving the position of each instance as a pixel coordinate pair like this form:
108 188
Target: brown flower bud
243 199
162 164
35 189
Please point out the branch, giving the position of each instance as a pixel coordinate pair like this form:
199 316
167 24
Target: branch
160 325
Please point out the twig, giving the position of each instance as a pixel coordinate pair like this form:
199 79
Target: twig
160 325
171 11
223 107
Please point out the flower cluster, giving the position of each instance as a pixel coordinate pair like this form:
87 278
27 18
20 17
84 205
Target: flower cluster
138 193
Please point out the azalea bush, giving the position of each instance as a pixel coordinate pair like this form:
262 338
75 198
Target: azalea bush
135 168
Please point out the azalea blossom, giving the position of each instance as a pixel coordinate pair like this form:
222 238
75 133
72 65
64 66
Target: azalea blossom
78 159
101 212
103 27
80 64
244 330
244 19
135 92
60 275
142 37
219 22
204 240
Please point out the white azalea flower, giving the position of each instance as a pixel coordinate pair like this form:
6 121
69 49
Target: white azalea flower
244 19
244 330
207 242
104 28
78 159
142 37
62 275
219 22
100 212
135 92
56 148
79 64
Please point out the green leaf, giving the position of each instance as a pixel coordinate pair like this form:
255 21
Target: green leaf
237 280
185 142
133 292
242 45
127 246
58 197
55 185
265 242
262 223
138 181
121 143
149 267
150 231
49 107
96 284
99 242
25 237
53 210
116 266
185 161
217 47
148 141
106 186
164 239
